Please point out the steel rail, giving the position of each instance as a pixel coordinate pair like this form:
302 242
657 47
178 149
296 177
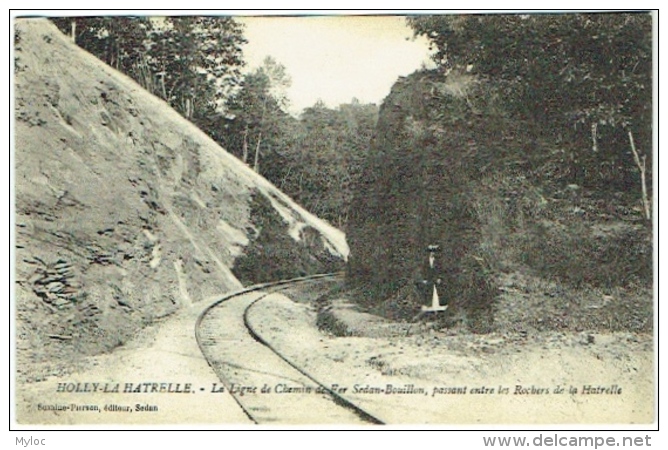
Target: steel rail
274 287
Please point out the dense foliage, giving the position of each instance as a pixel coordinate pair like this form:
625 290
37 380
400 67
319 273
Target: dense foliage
528 149
315 158
582 79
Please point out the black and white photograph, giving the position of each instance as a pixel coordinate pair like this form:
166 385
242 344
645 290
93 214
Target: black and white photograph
321 219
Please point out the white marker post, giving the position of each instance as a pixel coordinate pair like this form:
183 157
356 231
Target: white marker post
435 302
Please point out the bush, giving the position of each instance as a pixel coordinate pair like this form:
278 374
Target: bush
579 256
564 240
273 255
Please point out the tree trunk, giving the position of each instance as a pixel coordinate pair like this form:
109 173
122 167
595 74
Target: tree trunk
74 31
642 167
145 75
256 165
162 80
245 145
189 107
118 57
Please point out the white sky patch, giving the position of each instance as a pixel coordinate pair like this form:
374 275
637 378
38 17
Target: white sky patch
336 58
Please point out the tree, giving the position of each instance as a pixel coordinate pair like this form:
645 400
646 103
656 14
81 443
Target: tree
191 62
258 112
121 42
332 146
576 76
197 61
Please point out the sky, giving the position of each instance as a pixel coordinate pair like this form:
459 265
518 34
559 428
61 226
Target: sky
335 58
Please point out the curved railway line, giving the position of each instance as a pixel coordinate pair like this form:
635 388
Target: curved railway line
267 386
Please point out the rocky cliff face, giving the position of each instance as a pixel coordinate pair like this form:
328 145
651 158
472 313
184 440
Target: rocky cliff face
449 166
126 212
431 146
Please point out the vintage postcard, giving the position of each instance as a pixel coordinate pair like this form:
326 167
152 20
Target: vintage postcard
438 220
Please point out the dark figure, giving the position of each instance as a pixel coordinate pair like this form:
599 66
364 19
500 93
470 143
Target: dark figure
430 285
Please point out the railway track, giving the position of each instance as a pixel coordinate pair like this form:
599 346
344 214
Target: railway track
268 386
